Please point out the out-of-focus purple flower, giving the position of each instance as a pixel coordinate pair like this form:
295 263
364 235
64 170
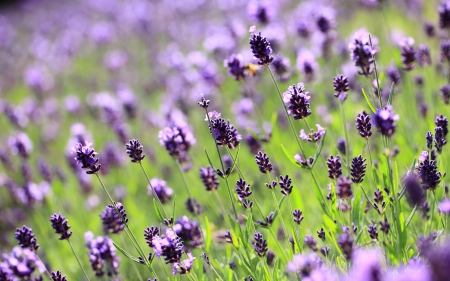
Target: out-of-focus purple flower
411 272
304 265
366 265
21 145
408 53
21 264
235 66
189 232
361 52
306 64
115 60
444 15
444 206
177 141
423 56
281 66
384 120
38 79
413 191
163 192
102 33
313 136
261 11
101 252
26 238
183 267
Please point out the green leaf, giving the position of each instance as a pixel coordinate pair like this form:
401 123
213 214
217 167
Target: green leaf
126 254
291 158
391 94
410 216
403 234
158 212
276 270
356 207
235 160
207 234
279 207
329 223
369 102
209 159
319 149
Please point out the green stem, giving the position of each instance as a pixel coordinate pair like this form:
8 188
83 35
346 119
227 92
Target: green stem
76 257
153 191
347 145
133 264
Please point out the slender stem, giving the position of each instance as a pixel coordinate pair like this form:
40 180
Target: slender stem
278 244
285 110
347 145
376 74
153 191
371 162
76 257
184 179
128 230
133 264
49 275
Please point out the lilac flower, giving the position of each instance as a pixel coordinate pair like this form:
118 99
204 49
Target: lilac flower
183 267
313 136
163 192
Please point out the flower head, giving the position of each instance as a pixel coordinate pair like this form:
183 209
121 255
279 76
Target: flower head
260 47
384 120
297 101
85 155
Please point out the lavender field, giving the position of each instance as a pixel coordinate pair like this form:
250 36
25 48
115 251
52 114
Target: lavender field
224 140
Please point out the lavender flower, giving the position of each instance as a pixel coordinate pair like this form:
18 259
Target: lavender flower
297 215
444 206
235 67
307 64
101 252
428 174
341 86
243 192
423 56
408 55
163 192
445 93
313 136
296 100
344 187
441 121
445 50
209 178
26 238
341 146
363 125
193 206
429 29
366 265
394 74
281 66
86 157
263 162
21 264
184 266
21 145
362 54
114 220
149 234
177 141
59 224
358 169
334 167
310 242
345 242
260 245
57 276
429 139
223 132
384 120
135 150
260 47
254 144
307 163
286 185
439 139
169 246
261 11
305 265
413 190
444 15
188 231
